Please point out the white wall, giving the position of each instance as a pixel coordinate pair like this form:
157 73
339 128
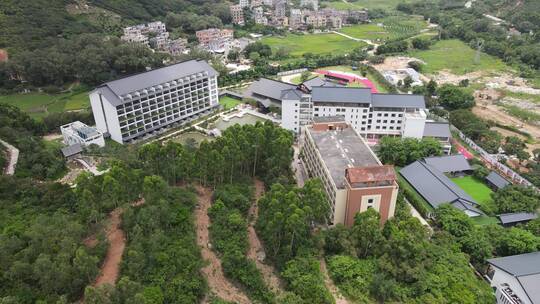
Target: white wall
289 115
501 277
413 125
98 112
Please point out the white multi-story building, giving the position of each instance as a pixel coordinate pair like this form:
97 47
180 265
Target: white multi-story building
372 115
243 3
133 107
516 279
79 133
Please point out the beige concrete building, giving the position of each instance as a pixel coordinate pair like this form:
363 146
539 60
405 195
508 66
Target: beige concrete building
354 179
237 14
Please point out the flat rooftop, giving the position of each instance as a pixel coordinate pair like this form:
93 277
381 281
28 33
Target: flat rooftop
342 149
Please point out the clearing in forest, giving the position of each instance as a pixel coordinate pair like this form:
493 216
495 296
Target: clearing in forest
256 250
340 299
213 271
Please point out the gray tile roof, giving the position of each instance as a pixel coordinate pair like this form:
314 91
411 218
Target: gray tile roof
72 150
157 76
341 94
449 163
497 180
509 218
268 91
320 82
437 129
435 187
398 101
526 268
341 150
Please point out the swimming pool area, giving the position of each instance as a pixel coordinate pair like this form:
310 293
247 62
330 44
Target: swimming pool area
245 119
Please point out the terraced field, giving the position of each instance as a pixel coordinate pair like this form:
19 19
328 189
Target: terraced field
394 27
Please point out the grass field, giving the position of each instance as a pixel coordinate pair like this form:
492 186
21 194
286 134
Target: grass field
369 4
457 57
478 190
391 28
522 114
228 102
313 43
525 96
38 105
485 220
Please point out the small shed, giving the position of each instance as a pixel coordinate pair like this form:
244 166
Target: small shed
72 151
495 181
512 219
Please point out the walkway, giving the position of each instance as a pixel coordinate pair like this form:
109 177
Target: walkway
256 250
117 243
340 299
213 271
13 157
368 41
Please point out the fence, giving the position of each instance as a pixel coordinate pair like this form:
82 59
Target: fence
493 161
285 73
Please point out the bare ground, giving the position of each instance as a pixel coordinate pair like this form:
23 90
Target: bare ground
493 112
213 272
256 251
330 284
117 243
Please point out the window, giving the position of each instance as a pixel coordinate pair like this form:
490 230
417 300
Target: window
370 201
363 128
385 114
400 115
316 109
384 128
377 127
398 128
393 114
385 121
378 120
392 121
379 114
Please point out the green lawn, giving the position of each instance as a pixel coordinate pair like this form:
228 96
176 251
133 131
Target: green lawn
228 102
313 43
387 28
525 96
457 57
485 220
38 105
477 189
369 4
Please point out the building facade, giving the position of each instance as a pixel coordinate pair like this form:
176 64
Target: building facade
237 14
79 133
144 104
353 178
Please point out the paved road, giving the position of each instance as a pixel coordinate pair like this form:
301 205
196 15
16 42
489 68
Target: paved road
13 157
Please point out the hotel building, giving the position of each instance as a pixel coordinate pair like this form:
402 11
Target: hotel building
354 179
140 105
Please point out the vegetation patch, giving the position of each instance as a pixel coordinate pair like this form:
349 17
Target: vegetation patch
369 4
39 105
299 45
477 189
457 57
389 28
229 102
522 114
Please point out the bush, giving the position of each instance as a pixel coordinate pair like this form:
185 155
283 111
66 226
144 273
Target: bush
304 277
414 198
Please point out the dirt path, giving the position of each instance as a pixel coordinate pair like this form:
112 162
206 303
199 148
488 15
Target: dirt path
213 272
256 251
117 242
492 112
12 158
330 284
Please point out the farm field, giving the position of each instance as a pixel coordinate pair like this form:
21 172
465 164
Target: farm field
228 102
457 57
313 43
393 27
369 4
38 105
478 190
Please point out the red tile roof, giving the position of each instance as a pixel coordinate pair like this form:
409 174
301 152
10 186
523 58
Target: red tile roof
370 174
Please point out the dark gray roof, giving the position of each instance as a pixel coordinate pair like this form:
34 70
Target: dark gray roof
437 129
72 150
466 206
157 76
341 94
435 187
497 180
267 91
526 268
509 218
291 94
340 150
320 82
449 163
398 101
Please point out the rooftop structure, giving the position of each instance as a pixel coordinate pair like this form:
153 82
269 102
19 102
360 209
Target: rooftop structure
135 106
516 278
511 219
72 150
354 179
449 163
496 181
79 133
436 188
